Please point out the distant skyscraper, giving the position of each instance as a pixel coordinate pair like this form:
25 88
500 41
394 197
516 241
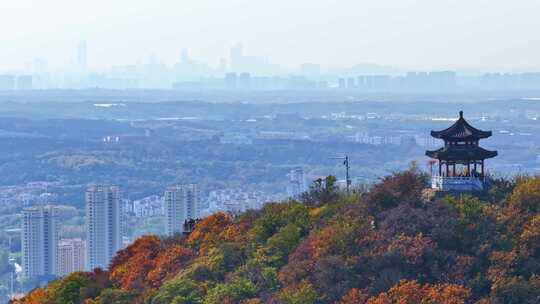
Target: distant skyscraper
351 83
39 241
361 82
71 257
40 73
342 83
297 182
82 56
244 80
380 83
223 65
24 82
236 55
7 82
40 67
311 70
103 225
444 80
181 203
184 56
231 80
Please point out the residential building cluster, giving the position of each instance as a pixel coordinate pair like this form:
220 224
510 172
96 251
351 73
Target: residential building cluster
43 252
46 254
366 138
235 139
502 81
236 200
412 81
247 81
35 193
16 82
149 206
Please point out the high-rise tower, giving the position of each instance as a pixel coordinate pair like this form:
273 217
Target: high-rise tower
82 56
184 57
71 256
297 183
39 241
181 204
236 56
103 225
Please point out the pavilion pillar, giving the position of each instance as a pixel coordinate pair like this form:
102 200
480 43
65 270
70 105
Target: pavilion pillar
447 170
440 168
482 168
468 168
454 169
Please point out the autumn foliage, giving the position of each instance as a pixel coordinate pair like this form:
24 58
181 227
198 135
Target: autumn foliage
412 292
389 245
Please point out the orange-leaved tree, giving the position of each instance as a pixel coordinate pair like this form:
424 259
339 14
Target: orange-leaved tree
412 292
131 265
207 232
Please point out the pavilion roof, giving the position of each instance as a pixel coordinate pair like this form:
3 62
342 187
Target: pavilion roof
465 152
461 130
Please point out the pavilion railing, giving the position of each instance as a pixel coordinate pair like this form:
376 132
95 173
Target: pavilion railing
458 183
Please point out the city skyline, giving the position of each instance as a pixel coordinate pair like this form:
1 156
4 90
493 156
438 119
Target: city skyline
81 58
241 69
407 34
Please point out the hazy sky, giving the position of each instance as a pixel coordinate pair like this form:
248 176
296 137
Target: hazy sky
406 33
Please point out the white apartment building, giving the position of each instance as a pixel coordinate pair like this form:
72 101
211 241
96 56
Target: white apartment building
71 256
103 225
181 203
39 239
297 183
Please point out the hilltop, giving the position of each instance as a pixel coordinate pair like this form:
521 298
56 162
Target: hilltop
383 245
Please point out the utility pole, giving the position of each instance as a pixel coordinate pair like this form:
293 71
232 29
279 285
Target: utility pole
12 290
347 167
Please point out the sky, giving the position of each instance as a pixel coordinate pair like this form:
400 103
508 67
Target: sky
416 34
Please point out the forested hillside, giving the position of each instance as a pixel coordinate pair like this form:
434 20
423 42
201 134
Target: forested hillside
387 245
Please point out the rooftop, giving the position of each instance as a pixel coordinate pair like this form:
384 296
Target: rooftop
465 152
461 130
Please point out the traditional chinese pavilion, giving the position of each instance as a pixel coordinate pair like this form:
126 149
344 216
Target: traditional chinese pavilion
461 160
